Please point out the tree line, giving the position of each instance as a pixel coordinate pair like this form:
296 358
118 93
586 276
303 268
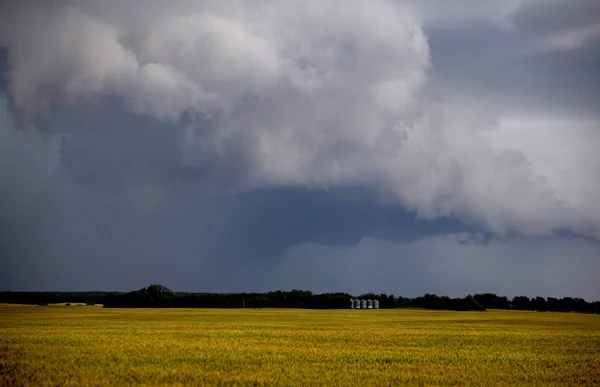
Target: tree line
159 296
540 304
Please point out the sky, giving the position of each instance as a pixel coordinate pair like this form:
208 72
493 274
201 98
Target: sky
403 147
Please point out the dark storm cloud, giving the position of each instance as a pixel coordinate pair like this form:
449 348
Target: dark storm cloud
195 244
345 105
116 155
547 59
268 222
543 18
138 147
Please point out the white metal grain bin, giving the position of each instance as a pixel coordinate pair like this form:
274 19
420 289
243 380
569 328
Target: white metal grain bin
357 304
375 304
351 303
369 304
363 304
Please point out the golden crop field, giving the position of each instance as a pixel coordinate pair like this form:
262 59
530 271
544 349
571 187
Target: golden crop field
85 345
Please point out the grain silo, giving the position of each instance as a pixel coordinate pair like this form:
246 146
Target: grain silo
363 304
375 304
351 303
369 304
357 304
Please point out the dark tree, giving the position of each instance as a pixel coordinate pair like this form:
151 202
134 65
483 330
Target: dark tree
522 303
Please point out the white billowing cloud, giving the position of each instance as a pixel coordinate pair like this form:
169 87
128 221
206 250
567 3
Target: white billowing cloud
72 55
564 152
308 93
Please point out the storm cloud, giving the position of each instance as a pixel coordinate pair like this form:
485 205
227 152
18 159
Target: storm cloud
208 134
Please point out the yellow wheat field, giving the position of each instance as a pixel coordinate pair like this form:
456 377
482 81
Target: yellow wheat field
80 345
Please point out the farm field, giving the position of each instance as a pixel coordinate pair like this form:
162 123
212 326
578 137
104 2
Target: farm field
86 345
